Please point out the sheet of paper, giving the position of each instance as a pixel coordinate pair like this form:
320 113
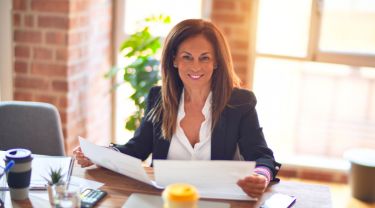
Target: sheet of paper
156 201
40 167
74 181
115 161
213 179
85 183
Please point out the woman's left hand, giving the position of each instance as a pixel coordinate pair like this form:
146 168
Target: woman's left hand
253 185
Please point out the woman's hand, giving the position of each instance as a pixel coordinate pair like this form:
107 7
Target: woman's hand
253 185
81 158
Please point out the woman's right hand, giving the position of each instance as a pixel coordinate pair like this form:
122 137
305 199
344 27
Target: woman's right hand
81 158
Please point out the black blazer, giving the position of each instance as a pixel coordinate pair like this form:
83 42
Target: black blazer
238 125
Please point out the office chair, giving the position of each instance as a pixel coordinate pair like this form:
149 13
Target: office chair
32 125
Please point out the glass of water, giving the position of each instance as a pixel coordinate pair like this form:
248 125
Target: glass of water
68 197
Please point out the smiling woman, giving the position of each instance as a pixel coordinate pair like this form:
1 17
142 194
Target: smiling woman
199 112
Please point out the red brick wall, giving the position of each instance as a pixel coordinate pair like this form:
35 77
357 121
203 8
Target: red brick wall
234 19
62 48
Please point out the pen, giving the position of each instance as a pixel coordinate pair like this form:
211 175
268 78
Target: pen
8 166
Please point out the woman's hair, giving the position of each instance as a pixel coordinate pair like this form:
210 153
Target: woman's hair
223 78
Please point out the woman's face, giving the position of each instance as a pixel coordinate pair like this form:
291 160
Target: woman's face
195 61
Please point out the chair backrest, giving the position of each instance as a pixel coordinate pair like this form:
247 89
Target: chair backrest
32 125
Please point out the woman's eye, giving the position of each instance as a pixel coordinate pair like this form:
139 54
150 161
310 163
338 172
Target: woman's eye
205 58
188 58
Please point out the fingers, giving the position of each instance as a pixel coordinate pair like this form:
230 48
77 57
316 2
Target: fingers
77 149
81 158
253 185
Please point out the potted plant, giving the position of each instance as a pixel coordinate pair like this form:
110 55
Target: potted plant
141 51
55 182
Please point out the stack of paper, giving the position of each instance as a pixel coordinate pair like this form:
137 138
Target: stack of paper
213 179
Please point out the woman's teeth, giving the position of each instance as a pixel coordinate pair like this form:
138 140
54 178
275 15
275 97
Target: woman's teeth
195 76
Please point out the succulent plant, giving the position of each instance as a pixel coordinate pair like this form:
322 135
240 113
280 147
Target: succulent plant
56 177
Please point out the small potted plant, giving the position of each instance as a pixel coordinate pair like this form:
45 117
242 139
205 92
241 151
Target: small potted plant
55 183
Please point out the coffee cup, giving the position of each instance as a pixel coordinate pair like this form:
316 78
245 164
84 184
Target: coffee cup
18 178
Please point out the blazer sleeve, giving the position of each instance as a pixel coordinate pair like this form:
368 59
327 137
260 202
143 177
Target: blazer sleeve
141 145
251 141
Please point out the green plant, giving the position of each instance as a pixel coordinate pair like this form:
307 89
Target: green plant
56 176
141 49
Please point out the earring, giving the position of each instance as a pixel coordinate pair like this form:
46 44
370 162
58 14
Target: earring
215 66
175 65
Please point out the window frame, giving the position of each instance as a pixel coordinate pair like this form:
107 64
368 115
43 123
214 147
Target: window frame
6 60
313 53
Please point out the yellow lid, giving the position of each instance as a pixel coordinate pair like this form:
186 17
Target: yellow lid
181 192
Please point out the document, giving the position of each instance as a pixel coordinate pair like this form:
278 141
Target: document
41 166
213 179
152 201
115 161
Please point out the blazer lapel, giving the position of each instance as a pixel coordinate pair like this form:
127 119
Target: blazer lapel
218 139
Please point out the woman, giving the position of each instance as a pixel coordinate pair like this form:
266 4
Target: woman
199 113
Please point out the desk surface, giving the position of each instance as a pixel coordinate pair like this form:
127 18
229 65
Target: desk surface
120 187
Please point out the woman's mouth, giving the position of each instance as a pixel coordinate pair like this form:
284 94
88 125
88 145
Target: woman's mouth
195 76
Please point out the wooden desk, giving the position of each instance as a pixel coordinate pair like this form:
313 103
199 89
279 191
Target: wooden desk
120 187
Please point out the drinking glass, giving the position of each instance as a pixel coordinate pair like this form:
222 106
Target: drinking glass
68 197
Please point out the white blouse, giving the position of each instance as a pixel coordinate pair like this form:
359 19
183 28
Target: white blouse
180 147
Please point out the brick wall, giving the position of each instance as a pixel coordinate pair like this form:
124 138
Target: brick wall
60 55
234 19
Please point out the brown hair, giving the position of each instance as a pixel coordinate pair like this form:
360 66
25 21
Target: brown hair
223 78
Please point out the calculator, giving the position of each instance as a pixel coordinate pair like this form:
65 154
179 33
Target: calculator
89 197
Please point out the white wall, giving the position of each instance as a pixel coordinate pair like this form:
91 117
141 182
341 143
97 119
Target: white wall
6 51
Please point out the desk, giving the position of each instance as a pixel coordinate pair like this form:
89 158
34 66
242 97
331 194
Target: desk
120 187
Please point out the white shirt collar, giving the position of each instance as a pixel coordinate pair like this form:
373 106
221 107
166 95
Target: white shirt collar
180 147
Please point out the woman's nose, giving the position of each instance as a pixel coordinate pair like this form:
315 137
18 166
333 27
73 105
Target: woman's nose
196 66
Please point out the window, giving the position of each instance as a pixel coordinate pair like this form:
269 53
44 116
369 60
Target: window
129 14
314 75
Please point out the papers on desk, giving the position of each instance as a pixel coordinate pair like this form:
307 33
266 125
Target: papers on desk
152 201
213 179
40 167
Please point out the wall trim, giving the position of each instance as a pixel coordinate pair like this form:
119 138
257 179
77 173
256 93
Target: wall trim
6 51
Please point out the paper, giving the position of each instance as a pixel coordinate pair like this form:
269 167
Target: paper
41 166
153 201
75 182
213 179
115 161
85 183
